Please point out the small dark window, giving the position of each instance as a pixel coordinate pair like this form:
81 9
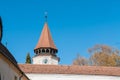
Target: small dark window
39 51
51 51
43 51
47 51
36 52
54 51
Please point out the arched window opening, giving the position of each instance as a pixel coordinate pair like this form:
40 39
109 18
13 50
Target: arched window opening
43 50
50 51
39 51
47 51
36 52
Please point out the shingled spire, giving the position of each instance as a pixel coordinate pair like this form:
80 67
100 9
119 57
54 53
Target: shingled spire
45 49
45 40
45 43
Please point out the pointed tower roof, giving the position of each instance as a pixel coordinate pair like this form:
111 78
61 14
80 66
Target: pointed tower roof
45 40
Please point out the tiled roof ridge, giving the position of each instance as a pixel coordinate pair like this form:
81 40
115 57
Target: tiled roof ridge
70 69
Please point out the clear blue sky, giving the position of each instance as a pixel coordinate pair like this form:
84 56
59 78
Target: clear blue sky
75 25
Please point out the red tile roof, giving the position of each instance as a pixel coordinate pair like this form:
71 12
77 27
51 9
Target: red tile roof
60 69
45 39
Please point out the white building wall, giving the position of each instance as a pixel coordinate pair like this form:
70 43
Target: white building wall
6 72
54 61
70 77
40 60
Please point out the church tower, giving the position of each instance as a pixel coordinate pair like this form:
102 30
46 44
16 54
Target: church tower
45 49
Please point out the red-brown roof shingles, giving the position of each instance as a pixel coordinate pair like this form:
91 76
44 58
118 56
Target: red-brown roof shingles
45 39
60 69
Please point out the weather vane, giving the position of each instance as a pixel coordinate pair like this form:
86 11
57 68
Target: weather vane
46 16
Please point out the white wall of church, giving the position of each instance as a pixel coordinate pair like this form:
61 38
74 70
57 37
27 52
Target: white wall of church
6 72
41 60
70 77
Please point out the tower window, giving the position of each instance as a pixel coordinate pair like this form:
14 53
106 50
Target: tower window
36 52
54 51
43 51
47 51
39 51
51 51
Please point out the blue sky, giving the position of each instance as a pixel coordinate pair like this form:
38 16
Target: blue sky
75 25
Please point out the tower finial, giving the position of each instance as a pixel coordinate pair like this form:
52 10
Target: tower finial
46 16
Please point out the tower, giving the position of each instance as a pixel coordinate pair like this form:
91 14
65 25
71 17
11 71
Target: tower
45 50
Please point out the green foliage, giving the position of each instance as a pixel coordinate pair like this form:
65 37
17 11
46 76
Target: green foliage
28 59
